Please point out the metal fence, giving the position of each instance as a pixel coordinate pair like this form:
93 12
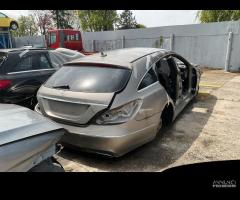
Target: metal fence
36 41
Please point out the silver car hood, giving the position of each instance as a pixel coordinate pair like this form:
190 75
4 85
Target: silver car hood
17 122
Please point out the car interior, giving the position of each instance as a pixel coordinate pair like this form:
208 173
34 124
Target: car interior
184 73
167 71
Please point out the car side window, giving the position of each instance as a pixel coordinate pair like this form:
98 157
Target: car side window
44 63
148 79
25 64
77 37
53 38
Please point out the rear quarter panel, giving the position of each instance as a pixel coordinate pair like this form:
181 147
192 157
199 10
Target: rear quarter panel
154 97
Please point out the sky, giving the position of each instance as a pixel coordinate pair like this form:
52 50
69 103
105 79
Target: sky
150 18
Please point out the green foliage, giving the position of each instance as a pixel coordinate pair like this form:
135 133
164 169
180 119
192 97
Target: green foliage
97 20
127 20
140 26
105 20
61 18
27 27
73 19
206 16
159 42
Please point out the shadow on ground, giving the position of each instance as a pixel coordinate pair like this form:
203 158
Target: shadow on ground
169 145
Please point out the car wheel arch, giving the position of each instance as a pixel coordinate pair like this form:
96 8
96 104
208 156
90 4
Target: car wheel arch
167 114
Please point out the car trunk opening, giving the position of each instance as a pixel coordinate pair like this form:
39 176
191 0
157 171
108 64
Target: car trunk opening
77 93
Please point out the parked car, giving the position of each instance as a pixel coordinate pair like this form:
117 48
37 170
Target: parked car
113 102
8 22
24 70
28 140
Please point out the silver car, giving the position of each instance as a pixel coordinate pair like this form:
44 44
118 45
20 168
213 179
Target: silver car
28 141
113 102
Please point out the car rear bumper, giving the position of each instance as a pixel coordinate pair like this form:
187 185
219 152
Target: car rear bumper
111 140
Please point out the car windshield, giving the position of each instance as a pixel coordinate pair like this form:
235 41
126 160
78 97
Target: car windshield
92 79
3 57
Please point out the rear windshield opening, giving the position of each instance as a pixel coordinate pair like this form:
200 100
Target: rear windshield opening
89 79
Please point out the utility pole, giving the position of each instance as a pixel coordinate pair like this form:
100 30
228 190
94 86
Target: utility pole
229 50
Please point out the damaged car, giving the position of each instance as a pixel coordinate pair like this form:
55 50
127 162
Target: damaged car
113 102
24 70
28 141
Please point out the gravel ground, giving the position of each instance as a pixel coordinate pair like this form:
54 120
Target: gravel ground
207 130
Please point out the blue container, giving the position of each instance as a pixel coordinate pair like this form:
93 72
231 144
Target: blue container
5 40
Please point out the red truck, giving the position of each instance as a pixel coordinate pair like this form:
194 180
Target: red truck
66 38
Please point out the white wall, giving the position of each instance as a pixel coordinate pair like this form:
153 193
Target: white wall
205 44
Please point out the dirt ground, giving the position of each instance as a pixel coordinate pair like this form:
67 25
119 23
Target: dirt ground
207 130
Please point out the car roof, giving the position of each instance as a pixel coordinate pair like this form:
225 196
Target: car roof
119 57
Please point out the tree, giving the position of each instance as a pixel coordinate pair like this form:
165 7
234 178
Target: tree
26 26
44 20
97 20
73 19
127 20
61 18
206 16
140 26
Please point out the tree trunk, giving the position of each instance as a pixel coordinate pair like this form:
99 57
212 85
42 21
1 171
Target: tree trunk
57 17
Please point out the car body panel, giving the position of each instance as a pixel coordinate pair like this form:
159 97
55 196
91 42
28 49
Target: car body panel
118 57
75 107
26 138
18 122
22 155
5 21
113 140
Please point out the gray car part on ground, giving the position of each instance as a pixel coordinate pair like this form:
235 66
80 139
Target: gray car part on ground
26 138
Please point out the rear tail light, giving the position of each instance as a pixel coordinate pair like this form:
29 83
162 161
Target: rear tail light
121 114
5 84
